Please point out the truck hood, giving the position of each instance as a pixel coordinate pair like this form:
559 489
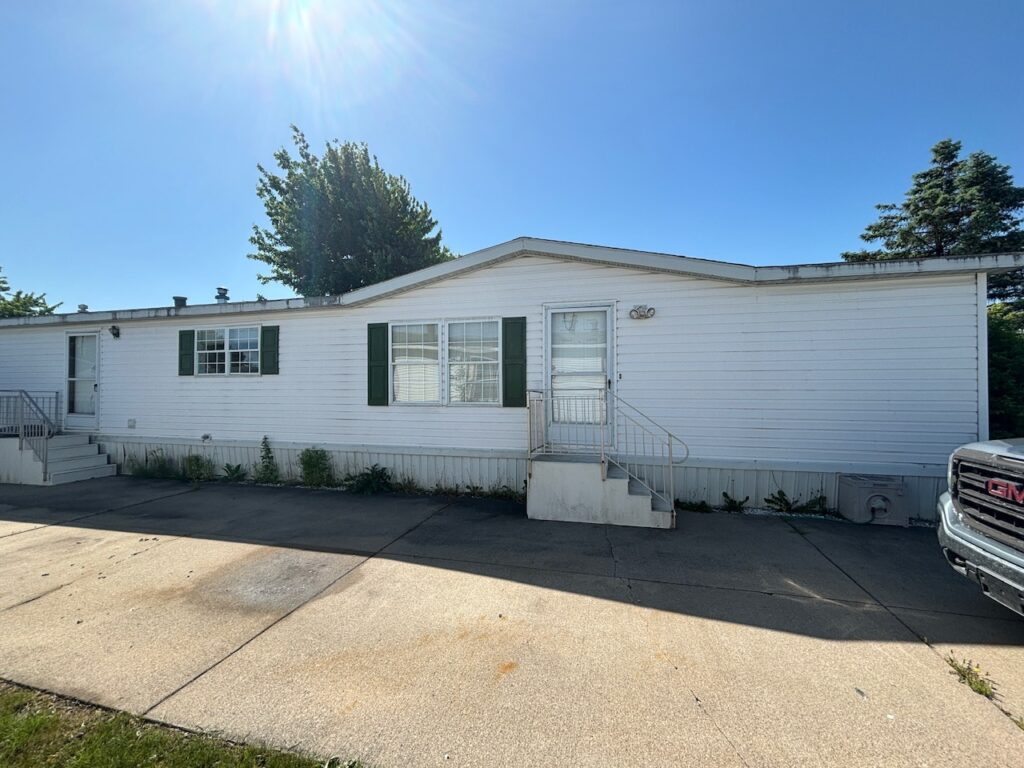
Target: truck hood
1012 447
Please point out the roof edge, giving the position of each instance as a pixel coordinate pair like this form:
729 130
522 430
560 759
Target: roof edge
522 246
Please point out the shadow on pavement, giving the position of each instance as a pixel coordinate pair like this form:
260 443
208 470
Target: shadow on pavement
819 578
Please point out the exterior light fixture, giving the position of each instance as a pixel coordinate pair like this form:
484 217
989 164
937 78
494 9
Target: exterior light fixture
115 331
641 312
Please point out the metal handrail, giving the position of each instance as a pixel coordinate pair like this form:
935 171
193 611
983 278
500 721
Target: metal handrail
22 415
623 435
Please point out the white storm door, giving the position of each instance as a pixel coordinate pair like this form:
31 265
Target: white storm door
579 377
83 381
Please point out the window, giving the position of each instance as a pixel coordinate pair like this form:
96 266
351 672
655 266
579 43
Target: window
415 363
473 361
452 362
228 350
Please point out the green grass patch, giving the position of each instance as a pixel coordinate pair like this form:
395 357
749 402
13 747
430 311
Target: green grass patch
42 731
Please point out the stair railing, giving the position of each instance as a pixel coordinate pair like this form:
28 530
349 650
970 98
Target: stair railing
33 417
646 451
580 422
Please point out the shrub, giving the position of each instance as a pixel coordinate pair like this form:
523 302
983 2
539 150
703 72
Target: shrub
266 470
780 502
506 492
235 473
729 504
406 484
375 479
156 464
198 468
317 471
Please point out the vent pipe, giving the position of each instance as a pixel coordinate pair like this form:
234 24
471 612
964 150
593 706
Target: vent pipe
180 301
222 295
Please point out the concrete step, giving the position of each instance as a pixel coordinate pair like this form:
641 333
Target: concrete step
68 439
660 505
78 462
60 478
61 453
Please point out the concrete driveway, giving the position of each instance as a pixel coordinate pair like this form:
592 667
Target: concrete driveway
423 631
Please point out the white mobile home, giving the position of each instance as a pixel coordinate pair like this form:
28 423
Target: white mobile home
658 375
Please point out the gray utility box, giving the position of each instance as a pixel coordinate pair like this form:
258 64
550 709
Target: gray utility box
873 499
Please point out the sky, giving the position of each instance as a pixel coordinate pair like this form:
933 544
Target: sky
754 131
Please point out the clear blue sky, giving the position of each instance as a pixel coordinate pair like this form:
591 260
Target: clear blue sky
752 131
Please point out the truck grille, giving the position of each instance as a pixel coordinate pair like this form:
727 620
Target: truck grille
1000 517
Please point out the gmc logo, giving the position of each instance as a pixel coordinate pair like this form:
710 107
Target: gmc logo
1004 489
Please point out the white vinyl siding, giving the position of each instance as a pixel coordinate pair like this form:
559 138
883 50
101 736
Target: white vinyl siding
864 373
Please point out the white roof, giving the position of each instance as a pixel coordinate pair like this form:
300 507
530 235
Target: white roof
646 261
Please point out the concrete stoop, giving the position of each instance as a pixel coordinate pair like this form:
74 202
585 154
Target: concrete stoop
71 457
570 489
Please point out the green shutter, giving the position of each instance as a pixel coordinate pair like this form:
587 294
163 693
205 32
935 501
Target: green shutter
186 353
269 347
513 362
377 364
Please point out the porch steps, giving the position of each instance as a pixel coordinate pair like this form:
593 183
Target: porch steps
72 457
570 488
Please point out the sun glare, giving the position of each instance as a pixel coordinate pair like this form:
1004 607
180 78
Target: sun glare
341 52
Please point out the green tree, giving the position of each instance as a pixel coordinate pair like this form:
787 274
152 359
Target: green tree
1006 370
957 206
21 304
340 222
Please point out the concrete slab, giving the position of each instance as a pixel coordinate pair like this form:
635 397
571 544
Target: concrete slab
900 567
786 697
24 508
491 639
499 533
43 560
404 663
731 551
995 644
128 638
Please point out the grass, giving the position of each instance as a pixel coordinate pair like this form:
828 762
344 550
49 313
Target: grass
38 730
970 674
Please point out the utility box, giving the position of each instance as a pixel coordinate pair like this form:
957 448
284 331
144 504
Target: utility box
873 499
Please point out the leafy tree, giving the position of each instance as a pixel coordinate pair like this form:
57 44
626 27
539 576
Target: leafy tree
21 304
1006 370
957 206
340 222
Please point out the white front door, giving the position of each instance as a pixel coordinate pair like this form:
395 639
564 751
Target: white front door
580 362
83 381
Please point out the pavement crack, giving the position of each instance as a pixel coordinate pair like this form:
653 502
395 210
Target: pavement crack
714 722
37 597
882 605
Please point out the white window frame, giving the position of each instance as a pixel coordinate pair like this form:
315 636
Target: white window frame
442 360
227 350
447 363
440 363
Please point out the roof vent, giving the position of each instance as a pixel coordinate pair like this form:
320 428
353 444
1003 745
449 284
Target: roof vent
83 307
222 295
180 301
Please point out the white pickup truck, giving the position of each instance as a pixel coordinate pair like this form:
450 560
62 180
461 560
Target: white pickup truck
981 518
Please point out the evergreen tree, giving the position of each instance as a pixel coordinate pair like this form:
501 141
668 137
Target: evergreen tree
955 207
21 304
340 222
